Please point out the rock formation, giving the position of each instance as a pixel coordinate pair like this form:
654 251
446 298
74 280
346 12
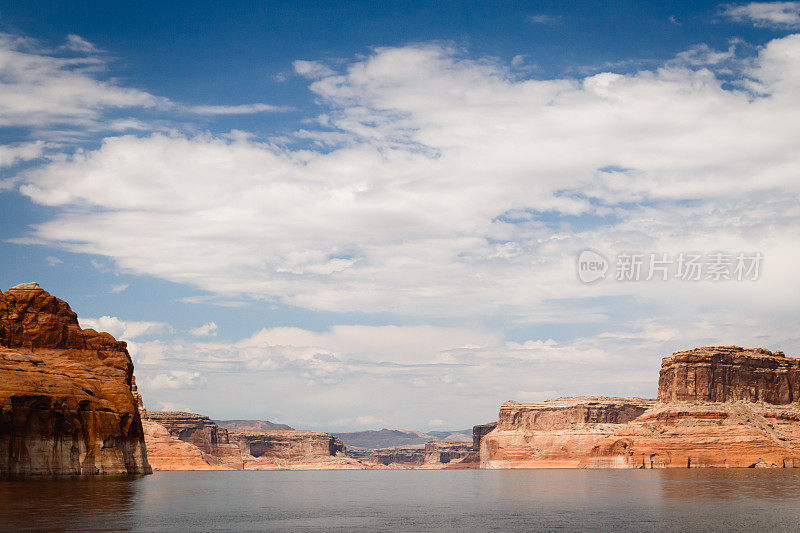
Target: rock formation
188 441
717 407
212 444
444 453
292 449
67 404
557 433
398 457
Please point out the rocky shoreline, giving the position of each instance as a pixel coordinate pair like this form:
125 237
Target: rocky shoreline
69 405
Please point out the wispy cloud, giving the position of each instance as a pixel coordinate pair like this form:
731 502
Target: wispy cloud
209 329
544 19
246 109
773 14
76 43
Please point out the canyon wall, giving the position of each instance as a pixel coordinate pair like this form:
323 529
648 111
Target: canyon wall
717 407
191 442
558 433
67 404
446 453
293 450
188 441
729 374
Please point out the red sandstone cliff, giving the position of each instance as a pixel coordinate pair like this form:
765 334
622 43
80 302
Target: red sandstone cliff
717 407
187 441
66 401
292 450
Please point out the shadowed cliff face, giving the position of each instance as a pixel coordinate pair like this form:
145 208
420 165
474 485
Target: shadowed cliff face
717 406
66 400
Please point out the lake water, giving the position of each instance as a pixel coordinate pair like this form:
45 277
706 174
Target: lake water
417 500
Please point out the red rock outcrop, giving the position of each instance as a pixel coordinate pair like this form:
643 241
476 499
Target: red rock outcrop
398 457
717 407
441 453
211 442
67 404
557 433
292 450
729 374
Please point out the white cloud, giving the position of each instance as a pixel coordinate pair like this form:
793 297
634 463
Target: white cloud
436 422
76 43
369 420
38 89
11 154
116 289
327 385
122 329
312 69
53 261
778 14
177 380
209 329
453 187
245 109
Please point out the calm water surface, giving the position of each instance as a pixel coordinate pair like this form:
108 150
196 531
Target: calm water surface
397 500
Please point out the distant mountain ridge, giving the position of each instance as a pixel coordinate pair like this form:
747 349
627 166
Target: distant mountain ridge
390 438
251 425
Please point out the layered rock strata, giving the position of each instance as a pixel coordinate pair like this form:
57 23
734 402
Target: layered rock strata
67 404
170 452
398 457
558 433
717 407
445 453
292 449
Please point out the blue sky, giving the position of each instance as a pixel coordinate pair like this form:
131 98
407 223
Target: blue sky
356 215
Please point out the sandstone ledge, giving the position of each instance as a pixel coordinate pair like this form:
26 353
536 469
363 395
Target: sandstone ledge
717 407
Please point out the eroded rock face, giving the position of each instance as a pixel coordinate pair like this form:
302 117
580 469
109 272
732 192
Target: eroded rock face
211 441
292 449
717 407
66 401
480 431
444 453
558 433
398 457
730 373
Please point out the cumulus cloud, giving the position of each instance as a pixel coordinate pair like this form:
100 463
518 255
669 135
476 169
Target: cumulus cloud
317 377
454 195
209 329
178 380
454 188
777 14
122 329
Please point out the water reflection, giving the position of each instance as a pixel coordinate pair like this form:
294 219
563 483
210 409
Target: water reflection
67 504
455 500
